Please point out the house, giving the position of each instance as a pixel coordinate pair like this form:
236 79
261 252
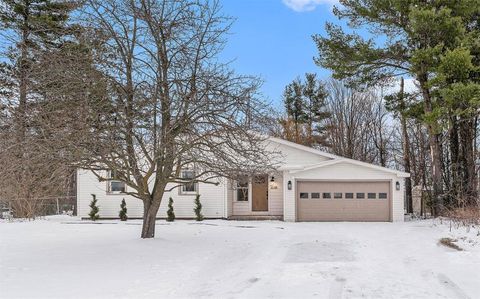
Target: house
310 185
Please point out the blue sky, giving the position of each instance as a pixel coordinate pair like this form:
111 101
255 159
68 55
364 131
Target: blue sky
272 39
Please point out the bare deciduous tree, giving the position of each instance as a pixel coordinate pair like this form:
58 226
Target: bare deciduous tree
358 124
168 103
32 32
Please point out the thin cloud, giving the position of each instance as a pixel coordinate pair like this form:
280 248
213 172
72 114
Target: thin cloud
307 5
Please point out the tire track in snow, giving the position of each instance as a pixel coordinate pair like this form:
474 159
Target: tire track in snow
451 286
336 288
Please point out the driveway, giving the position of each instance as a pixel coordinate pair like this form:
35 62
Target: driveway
64 258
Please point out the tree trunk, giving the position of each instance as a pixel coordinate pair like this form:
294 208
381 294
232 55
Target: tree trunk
150 209
406 150
23 65
435 150
310 132
297 139
456 173
406 162
467 135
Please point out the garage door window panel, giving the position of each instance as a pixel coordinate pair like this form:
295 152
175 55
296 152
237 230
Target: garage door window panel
315 195
349 195
360 195
337 195
372 195
304 195
326 195
382 195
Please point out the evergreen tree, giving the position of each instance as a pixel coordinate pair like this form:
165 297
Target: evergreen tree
170 212
420 39
306 110
123 211
315 95
33 28
292 98
93 209
198 208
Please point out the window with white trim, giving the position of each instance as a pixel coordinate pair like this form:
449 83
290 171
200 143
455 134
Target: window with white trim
242 188
188 187
115 186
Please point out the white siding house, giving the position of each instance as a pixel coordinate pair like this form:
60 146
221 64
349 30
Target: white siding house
310 185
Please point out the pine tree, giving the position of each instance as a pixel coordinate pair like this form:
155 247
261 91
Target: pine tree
315 94
198 208
93 209
423 40
123 211
33 28
306 111
170 212
294 105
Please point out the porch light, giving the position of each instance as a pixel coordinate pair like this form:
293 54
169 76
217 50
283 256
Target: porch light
289 185
397 185
273 185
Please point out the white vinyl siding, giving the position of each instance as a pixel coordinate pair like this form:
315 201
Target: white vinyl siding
294 156
212 198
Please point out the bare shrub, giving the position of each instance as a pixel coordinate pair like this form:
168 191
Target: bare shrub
468 217
449 242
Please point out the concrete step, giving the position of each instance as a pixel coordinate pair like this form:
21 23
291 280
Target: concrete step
255 217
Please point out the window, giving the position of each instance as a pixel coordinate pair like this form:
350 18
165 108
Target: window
303 195
326 195
360 195
114 186
348 195
190 186
242 188
337 195
382 195
372 195
315 195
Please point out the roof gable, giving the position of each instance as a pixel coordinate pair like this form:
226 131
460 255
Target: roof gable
302 147
333 159
354 162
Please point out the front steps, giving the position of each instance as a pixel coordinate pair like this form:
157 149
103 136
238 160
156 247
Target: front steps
254 218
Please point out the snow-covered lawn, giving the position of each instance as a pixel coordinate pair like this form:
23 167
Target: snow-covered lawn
66 258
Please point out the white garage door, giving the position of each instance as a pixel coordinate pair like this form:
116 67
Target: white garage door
343 201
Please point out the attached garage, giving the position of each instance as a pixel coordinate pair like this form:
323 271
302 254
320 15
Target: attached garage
343 200
342 189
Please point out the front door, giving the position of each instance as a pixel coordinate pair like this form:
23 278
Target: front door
260 193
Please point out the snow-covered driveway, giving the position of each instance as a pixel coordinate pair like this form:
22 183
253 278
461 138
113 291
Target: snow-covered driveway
61 258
